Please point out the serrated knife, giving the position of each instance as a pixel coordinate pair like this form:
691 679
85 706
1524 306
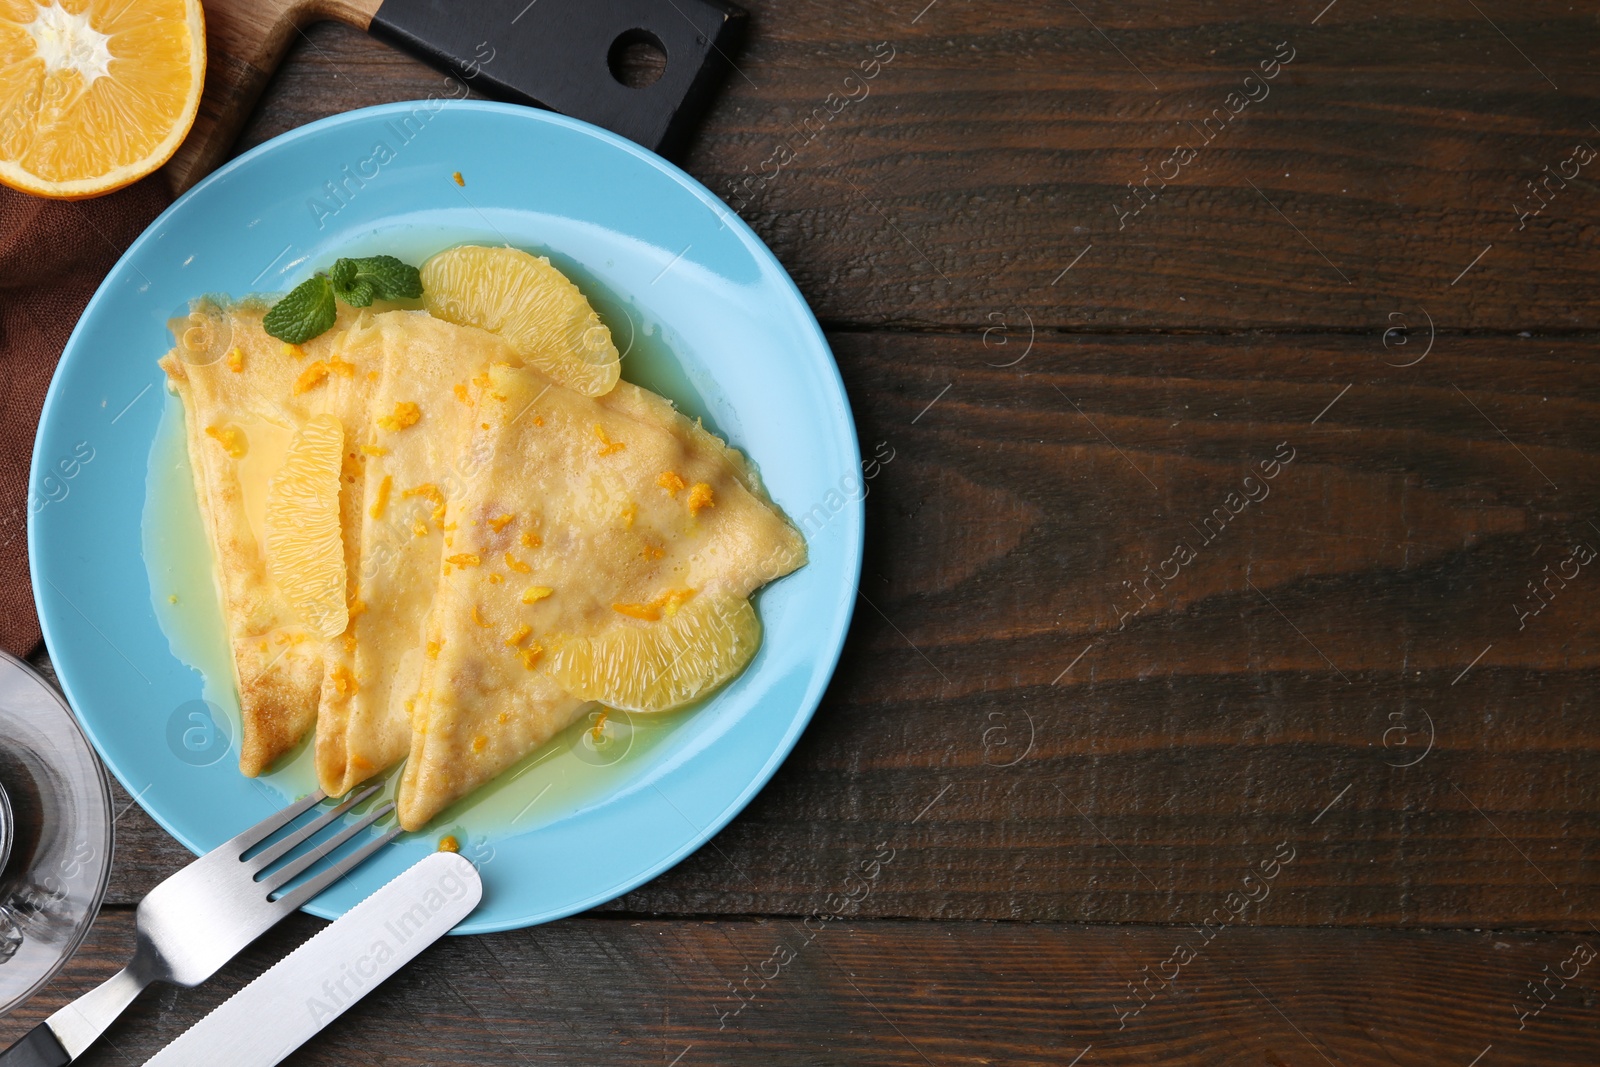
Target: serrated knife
317 982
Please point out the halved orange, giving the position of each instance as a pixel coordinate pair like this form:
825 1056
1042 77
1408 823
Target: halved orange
95 94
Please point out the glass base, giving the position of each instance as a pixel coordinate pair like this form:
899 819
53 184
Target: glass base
55 845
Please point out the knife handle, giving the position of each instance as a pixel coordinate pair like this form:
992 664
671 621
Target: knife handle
565 55
37 1048
245 40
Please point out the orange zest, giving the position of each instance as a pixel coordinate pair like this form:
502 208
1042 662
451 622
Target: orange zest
231 438
311 377
381 501
429 492
405 414
700 496
668 602
343 681
607 445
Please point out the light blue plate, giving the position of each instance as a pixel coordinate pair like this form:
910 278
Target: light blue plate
706 315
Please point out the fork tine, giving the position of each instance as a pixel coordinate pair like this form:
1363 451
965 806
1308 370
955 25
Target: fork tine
315 886
295 867
274 822
268 856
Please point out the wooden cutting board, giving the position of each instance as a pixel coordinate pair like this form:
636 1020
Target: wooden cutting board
245 42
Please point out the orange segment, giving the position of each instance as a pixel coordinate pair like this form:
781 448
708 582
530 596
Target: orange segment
305 550
529 303
95 95
664 663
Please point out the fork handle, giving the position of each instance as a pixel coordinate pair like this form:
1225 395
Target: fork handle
36 1048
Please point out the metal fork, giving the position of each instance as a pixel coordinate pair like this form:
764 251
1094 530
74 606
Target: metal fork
201 917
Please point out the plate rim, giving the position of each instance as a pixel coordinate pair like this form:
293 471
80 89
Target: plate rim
854 512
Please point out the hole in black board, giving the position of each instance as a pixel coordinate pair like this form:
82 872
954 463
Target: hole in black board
637 58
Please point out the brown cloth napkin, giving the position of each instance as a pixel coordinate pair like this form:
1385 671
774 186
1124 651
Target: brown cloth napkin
53 255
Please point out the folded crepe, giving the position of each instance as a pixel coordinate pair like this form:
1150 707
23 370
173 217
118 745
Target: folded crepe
577 516
373 671
245 393
486 513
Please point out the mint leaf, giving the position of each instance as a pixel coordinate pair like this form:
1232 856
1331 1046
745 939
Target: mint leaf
308 310
359 281
342 273
358 295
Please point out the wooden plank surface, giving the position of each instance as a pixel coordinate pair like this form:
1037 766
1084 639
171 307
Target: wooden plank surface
1115 753
1346 751
627 991
998 144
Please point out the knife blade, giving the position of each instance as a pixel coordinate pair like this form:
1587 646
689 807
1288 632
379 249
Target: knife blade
317 982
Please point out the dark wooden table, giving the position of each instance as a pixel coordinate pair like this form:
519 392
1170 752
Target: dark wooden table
1223 680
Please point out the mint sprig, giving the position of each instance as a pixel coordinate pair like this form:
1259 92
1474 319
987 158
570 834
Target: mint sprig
358 281
310 309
